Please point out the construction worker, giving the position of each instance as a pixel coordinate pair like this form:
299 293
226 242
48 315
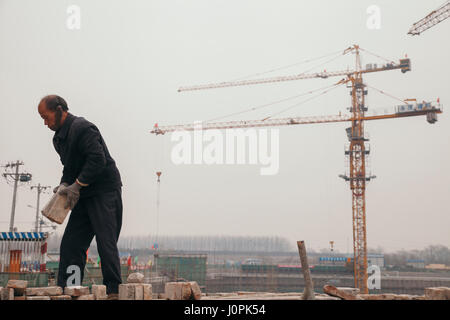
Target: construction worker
92 184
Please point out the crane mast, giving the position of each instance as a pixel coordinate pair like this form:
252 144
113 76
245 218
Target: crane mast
358 178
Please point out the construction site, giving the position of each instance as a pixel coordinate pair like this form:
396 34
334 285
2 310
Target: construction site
164 265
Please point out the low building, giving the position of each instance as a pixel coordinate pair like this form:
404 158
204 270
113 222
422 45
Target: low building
437 267
416 263
375 260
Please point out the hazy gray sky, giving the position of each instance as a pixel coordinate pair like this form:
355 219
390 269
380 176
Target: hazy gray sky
122 69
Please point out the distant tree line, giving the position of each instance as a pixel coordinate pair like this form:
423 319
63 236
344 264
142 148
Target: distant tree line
207 243
433 254
195 243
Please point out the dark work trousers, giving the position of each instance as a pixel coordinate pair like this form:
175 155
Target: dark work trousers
99 216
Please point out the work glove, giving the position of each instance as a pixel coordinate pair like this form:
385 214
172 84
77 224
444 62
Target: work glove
73 194
64 184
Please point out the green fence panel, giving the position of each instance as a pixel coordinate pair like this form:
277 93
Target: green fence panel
35 279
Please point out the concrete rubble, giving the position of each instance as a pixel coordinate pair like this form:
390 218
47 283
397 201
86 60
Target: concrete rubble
353 294
390 296
331 293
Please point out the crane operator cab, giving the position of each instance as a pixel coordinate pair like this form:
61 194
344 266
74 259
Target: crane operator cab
405 65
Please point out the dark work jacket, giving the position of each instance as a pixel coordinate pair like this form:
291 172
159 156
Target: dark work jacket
84 155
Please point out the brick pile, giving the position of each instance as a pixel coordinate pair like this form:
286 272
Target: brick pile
136 289
17 290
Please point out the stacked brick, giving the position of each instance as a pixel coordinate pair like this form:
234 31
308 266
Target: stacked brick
17 290
135 288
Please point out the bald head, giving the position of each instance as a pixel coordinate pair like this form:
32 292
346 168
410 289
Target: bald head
53 109
53 101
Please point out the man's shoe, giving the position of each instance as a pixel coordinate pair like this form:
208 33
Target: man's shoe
113 296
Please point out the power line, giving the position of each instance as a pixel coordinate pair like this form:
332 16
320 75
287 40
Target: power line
288 66
270 103
332 87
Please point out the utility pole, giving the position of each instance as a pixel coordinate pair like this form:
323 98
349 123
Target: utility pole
39 190
22 177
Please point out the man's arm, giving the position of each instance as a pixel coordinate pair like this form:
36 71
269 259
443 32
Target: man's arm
90 146
64 178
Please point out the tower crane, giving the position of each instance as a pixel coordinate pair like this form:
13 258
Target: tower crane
356 151
432 19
